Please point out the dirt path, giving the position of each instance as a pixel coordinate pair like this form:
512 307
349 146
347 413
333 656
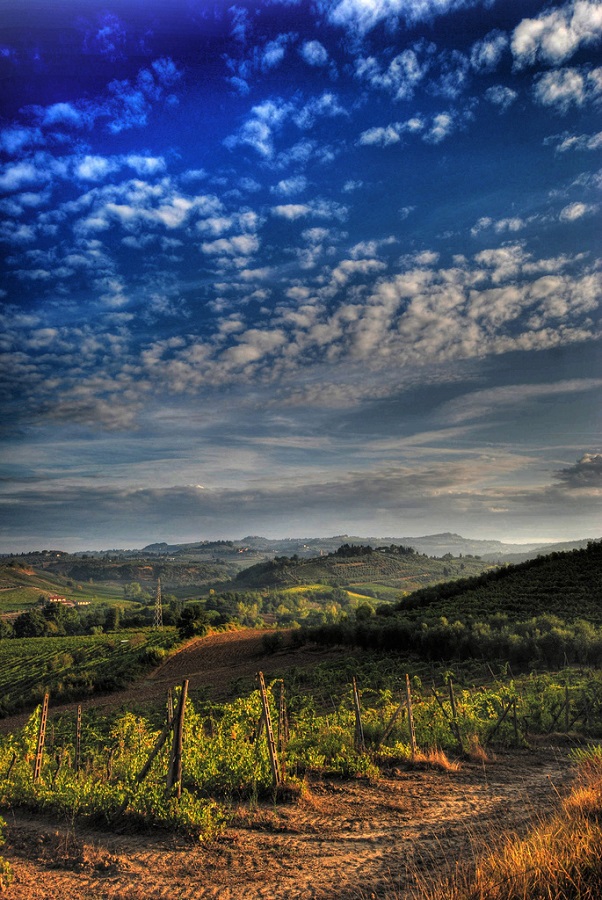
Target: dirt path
344 840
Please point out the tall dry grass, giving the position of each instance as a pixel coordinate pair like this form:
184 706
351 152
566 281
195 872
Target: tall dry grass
561 859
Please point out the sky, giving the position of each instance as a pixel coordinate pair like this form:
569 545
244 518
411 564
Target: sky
299 268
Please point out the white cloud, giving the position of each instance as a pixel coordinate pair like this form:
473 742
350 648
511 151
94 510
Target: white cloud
95 168
381 136
403 74
480 404
16 138
258 131
564 88
146 165
555 36
575 211
567 142
294 185
348 268
323 209
272 53
314 53
452 76
15 176
432 131
238 245
361 16
501 226
486 54
442 126
501 95
291 211
62 114
326 105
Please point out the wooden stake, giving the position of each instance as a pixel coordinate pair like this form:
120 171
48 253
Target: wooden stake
410 718
515 722
174 776
359 742
567 710
392 721
454 719
282 721
500 720
169 706
267 721
78 739
41 737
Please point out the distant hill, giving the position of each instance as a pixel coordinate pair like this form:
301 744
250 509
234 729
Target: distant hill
253 548
360 566
307 547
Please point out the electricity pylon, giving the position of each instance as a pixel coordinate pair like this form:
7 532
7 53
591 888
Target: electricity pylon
158 621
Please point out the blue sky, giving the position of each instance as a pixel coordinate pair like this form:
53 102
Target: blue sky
299 268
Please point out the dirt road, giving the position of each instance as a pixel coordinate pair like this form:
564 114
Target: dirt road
344 840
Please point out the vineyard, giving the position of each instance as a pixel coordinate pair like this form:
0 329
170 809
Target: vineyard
72 667
268 744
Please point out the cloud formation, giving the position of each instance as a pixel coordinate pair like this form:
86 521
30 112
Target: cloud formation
306 254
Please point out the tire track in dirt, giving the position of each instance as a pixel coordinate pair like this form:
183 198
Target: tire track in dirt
344 840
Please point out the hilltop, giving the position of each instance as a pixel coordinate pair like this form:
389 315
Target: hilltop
372 571
245 551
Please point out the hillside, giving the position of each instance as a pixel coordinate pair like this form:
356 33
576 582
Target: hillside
546 611
384 571
568 585
22 585
61 570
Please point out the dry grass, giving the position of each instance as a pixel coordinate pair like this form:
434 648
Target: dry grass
434 759
561 859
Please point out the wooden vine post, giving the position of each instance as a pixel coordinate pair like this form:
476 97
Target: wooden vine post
267 721
174 775
78 739
359 742
454 712
37 768
412 732
282 721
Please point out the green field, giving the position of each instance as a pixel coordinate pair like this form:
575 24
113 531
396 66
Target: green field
22 587
73 667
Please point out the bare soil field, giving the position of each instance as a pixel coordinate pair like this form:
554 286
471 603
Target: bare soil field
351 840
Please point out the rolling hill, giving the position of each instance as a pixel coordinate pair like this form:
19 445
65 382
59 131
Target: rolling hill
383 572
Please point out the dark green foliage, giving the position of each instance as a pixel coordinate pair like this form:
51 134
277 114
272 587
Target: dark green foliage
194 621
358 565
565 584
546 612
31 624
